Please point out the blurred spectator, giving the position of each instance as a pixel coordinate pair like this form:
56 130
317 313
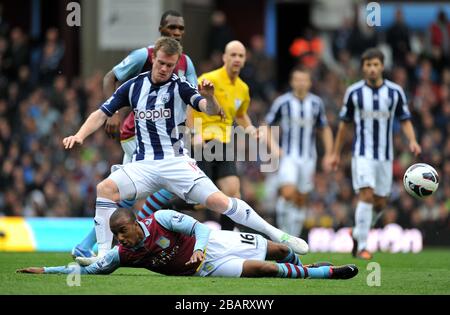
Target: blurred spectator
219 33
341 38
51 55
57 93
259 70
361 37
4 25
397 37
17 54
439 34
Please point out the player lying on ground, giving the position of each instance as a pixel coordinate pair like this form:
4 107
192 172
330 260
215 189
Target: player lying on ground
172 243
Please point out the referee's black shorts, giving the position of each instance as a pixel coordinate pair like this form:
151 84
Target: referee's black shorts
217 169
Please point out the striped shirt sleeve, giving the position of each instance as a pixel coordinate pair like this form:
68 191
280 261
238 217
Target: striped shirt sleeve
274 114
348 110
189 94
118 100
321 116
402 111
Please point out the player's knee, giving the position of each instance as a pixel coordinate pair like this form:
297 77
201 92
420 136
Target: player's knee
366 195
108 189
288 192
218 202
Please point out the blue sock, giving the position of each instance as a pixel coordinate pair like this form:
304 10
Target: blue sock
291 258
128 204
89 241
155 202
293 271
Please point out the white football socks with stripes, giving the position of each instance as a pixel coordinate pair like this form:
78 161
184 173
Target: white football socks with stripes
282 214
363 221
104 208
290 218
240 212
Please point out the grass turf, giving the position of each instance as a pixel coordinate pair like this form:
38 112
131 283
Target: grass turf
425 273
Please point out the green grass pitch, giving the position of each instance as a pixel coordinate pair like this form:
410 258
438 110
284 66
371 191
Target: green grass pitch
425 273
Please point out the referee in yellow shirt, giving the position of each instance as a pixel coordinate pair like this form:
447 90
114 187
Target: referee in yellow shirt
233 96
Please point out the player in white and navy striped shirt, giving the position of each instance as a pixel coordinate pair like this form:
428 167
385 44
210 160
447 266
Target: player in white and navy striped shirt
372 105
159 99
299 113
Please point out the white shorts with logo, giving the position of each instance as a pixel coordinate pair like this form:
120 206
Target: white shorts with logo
227 250
298 172
372 173
136 180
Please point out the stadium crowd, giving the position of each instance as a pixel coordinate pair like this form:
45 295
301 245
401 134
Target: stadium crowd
39 105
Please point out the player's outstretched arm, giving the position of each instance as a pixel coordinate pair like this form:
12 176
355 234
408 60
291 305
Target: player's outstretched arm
245 121
342 134
34 270
327 139
94 121
108 264
408 130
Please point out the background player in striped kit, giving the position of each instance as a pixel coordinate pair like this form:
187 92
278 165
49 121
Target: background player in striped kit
138 61
299 113
159 99
372 105
172 243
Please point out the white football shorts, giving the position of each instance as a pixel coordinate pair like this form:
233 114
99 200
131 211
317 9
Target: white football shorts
227 250
372 173
298 172
179 175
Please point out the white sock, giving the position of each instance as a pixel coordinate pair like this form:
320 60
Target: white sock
282 214
297 218
240 212
363 220
104 208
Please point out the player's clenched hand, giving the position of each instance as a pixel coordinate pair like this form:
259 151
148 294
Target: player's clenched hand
327 163
335 161
196 257
112 126
36 270
206 88
70 141
415 148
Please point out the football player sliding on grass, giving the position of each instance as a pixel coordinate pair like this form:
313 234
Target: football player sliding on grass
172 243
